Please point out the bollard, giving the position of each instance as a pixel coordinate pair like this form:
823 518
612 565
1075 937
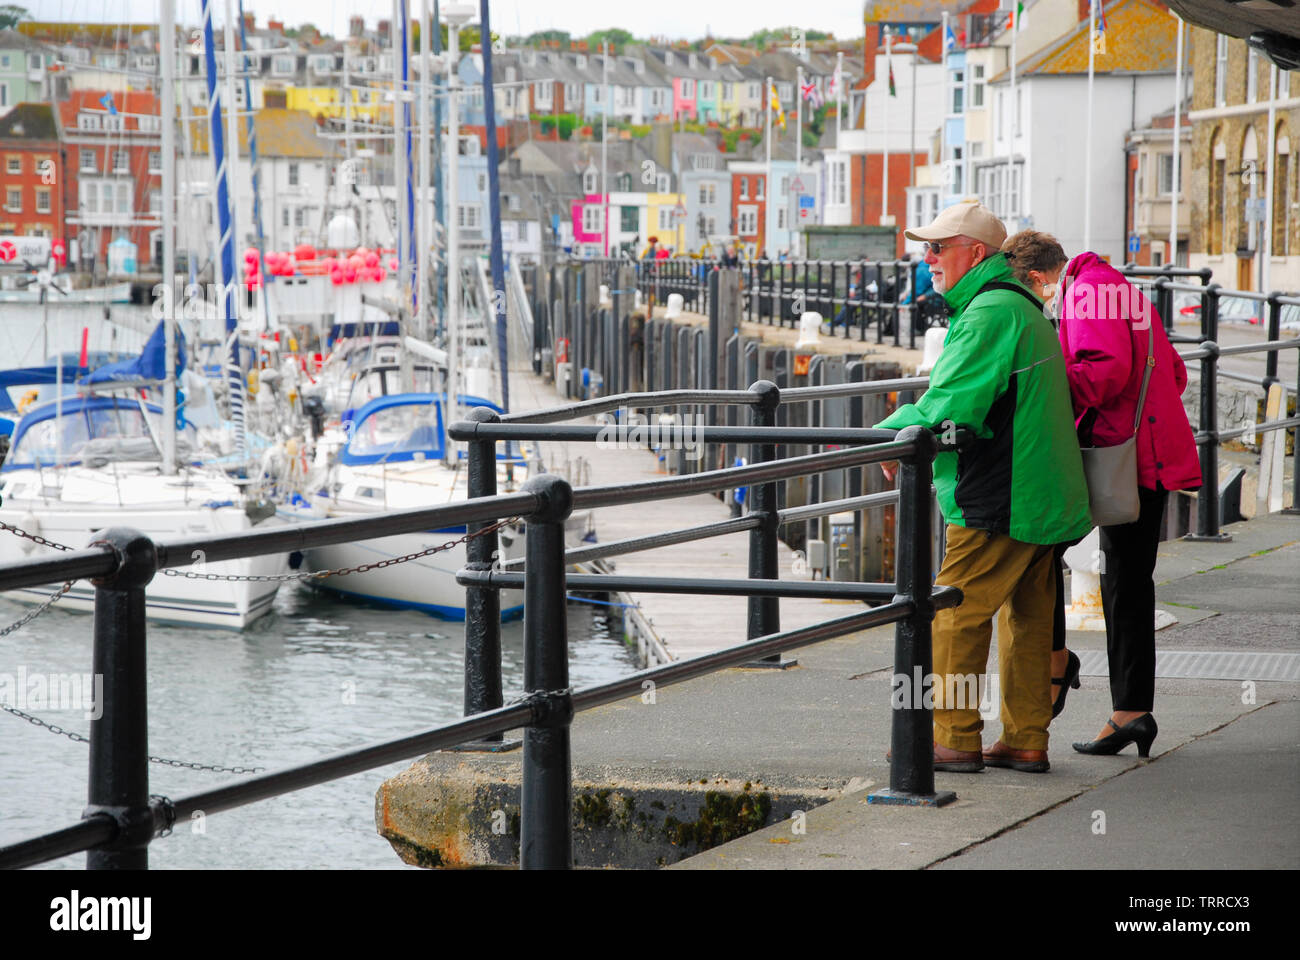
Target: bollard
911 774
546 841
483 604
1274 332
119 738
1207 500
764 613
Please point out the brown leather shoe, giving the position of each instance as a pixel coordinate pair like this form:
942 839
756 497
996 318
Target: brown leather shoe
1027 761
952 761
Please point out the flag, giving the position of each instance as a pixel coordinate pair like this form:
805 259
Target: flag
949 39
893 90
834 83
775 101
811 93
1099 38
107 101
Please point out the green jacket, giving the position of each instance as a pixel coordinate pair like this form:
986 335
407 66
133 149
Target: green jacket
1002 374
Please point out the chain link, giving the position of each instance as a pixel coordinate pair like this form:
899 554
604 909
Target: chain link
37 611
33 537
78 738
341 571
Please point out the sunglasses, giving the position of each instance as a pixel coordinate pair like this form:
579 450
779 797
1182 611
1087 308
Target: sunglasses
935 247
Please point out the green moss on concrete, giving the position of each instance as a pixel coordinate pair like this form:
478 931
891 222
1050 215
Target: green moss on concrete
722 818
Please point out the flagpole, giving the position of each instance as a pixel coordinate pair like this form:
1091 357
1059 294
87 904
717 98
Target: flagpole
839 92
798 151
884 180
767 206
1087 159
1011 125
911 156
604 149
1172 257
943 139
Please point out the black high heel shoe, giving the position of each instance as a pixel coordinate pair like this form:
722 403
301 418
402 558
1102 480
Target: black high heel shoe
1141 731
1071 679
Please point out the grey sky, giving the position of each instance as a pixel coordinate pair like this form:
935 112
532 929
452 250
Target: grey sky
671 18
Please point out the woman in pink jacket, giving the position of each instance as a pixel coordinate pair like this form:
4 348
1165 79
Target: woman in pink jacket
1105 323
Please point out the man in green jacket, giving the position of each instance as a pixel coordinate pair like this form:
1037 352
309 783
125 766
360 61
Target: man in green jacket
1016 491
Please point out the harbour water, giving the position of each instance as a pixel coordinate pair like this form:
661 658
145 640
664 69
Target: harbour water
316 676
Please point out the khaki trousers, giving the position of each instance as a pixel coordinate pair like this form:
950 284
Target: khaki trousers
991 569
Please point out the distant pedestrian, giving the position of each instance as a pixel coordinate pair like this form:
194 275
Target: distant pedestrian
729 256
651 251
1008 498
1106 326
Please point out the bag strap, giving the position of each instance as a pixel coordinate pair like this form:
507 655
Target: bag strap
1011 287
1146 376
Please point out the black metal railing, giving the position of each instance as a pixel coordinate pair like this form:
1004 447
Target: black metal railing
122 817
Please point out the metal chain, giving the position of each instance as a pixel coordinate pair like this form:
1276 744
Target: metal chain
35 538
37 611
78 738
341 571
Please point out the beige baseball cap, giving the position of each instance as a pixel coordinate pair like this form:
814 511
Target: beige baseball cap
968 218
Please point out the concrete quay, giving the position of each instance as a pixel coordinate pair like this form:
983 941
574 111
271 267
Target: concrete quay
1219 791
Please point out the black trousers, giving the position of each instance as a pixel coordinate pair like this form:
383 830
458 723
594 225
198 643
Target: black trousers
1128 597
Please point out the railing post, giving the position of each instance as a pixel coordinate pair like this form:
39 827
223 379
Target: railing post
1294 509
1165 303
915 307
546 841
483 604
911 773
898 294
764 613
1207 500
119 736
1274 332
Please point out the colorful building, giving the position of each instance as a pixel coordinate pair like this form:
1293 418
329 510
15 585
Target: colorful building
31 160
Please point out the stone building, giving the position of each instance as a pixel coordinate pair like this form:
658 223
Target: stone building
1243 188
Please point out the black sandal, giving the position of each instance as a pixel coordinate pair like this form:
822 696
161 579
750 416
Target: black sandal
1071 679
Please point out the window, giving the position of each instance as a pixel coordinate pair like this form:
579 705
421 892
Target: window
123 198
300 217
747 221
999 111
1252 76
469 215
1221 71
591 218
628 219
665 218
977 85
958 170
1281 224
589 181
728 91
293 174
121 162
14 200
155 161
570 92
481 180
785 186
958 89
760 187
43 200
708 192
744 188
1214 240
688 88
85 121
155 202
780 218
1020 99
282 66
149 123
284 216
13 165
706 90
87 160
839 182
663 182
1284 84
1165 174
542 92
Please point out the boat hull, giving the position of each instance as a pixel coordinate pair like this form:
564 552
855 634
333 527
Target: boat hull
427 584
180 600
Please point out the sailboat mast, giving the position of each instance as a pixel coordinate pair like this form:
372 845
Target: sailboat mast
225 261
167 51
494 204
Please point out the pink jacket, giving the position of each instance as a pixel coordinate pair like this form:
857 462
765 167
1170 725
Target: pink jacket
1105 323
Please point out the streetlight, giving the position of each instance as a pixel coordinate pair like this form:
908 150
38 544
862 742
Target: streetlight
455 15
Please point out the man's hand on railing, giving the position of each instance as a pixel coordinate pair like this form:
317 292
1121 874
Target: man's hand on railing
890 470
